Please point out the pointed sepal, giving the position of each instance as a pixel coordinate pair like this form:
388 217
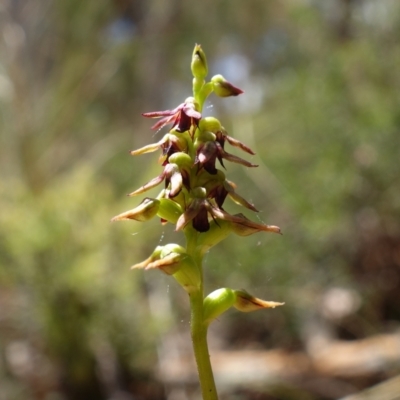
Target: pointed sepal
145 211
242 226
245 302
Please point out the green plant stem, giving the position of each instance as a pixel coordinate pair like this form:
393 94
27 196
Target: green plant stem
199 328
200 347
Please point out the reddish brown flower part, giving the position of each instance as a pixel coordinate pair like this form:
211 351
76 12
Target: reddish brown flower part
208 152
181 117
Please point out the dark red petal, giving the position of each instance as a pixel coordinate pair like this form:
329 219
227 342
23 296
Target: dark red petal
182 123
154 182
189 214
238 160
158 114
162 122
200 221
239 144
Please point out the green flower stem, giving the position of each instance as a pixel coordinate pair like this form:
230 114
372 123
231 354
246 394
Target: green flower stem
203 93
200 347
197 325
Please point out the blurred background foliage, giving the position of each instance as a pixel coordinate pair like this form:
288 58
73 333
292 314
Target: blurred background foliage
322 110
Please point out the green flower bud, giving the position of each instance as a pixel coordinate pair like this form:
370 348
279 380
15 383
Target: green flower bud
146 210
199 192
169 210
247 303
217 302
203 137
218 231
210 124
199 63
183 160
223 88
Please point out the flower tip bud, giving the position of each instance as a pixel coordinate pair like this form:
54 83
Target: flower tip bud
223 88
274 229
199 63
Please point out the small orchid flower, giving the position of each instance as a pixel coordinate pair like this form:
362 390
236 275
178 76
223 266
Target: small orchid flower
212 124
223 88
241 225
197 213
221 137
222 299
227 188
169 144
208 152
171 175
182 117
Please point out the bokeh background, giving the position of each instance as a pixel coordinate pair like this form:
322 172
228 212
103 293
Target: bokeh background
322 110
